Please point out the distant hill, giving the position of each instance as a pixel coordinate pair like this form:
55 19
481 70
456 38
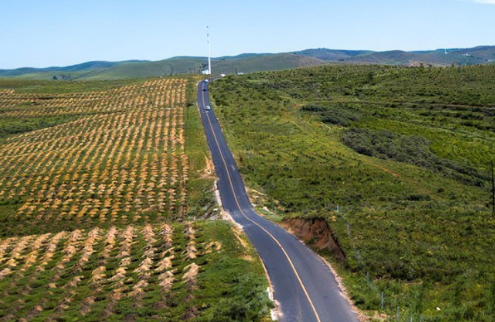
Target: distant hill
245 63
263 62
458 56
252 62
333 54
92 65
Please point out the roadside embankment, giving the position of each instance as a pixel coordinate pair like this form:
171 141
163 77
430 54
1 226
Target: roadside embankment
316 233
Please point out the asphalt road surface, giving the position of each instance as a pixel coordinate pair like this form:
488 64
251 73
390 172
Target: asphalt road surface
304 287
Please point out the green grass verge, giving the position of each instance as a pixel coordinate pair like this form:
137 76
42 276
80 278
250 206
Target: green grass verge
199 184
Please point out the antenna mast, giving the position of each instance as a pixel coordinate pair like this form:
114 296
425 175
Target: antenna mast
209 53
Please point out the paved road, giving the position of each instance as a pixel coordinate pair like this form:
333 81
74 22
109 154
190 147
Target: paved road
304 287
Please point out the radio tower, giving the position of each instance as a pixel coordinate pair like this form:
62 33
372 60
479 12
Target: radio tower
209 54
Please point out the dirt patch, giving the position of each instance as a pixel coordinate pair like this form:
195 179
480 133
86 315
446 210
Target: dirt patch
209 170
395 174
255 197
316 233
237 233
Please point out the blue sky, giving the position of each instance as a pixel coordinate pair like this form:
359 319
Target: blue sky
58 33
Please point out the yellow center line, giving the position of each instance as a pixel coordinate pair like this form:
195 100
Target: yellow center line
266 231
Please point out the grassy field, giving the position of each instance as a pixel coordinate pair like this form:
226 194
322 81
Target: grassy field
396 160
99 184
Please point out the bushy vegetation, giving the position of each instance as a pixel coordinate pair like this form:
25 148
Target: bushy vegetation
409 149
338 115
403 152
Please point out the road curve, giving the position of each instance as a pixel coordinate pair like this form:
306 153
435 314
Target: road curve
304 287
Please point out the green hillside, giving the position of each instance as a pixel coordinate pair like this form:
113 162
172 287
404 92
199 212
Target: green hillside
395 160
264 62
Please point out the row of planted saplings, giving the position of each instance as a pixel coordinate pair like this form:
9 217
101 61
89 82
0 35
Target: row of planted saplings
62 188
129 263
151 172
149 94
88 128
